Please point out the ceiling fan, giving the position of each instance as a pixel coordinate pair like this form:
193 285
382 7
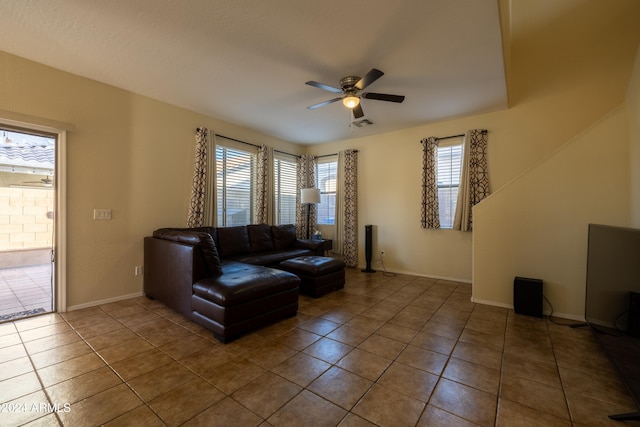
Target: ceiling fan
351 88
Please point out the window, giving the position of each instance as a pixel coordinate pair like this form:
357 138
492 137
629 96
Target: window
326 181
449 160
235 186
284 169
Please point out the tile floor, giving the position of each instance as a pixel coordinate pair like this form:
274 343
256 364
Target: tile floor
24 289
388 351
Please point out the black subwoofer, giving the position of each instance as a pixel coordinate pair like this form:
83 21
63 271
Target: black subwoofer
527 296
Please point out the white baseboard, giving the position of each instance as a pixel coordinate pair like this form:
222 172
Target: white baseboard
104 301
412 273
492 303
545 312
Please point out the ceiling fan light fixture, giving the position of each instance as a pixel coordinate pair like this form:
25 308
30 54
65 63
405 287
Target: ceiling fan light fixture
351 101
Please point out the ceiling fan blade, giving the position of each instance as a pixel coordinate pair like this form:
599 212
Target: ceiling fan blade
371 77
324 87
383 97
322 104
357 111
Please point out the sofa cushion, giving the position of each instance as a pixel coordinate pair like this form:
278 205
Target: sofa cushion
241 283
233 241
272 258
260 238
284 236
312 265
196 238
210 230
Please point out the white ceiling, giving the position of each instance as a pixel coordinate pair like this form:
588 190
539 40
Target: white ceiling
247 61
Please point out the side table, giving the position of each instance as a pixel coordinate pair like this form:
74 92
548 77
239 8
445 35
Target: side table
327 245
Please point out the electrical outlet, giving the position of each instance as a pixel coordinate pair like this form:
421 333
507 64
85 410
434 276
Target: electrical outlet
138 271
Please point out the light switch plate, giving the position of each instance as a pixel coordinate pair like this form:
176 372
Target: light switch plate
102 214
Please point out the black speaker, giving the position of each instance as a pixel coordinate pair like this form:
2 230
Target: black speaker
634 315
527 296
368 248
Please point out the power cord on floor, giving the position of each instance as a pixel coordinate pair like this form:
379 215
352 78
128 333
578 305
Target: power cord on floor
615 322
618 332
577 325
384 269
571 325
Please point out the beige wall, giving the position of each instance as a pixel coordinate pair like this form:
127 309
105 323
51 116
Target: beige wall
570 68
570 64
536 226
633 101
127 153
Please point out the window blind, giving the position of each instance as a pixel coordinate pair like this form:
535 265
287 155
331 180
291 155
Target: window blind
284 169
326 181
235 186
449 168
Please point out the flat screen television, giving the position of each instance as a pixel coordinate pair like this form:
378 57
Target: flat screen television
613 282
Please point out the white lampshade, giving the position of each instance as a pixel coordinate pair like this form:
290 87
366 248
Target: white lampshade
310 195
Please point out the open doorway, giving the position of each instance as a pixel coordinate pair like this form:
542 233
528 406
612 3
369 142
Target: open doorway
27 222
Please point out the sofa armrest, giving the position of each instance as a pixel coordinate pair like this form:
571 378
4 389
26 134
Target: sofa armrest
171 269
198 238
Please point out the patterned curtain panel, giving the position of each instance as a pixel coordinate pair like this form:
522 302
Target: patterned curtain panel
350 218
338 240
429 216
264 186
306 178
474 181
199 185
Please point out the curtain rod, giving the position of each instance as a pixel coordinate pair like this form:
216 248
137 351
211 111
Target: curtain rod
449 137
236 140
324 155
248 143
456 136
277 151
334 154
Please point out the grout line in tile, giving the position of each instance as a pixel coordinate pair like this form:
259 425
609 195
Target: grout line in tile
441 305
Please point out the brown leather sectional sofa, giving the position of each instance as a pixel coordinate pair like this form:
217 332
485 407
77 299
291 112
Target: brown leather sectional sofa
222 278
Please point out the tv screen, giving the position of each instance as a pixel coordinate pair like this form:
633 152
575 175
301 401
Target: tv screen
613 280
613 272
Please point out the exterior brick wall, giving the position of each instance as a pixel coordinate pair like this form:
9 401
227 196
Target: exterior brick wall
25 219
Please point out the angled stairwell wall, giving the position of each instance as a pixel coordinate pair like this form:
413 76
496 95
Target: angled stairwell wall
536 225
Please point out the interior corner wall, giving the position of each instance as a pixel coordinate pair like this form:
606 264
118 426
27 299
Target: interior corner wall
569 66
126 152
633 101
536 226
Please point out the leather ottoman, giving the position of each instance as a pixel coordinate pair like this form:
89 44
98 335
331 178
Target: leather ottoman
318 274
243 298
